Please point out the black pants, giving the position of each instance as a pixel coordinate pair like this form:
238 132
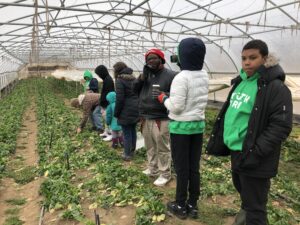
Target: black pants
186 153
254 195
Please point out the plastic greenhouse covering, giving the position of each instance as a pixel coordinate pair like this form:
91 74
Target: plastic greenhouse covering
87 33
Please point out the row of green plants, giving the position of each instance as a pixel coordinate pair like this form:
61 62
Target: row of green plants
12 108
62 156
215 179
108 182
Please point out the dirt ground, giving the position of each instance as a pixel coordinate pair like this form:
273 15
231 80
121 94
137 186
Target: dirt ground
26 151
29 212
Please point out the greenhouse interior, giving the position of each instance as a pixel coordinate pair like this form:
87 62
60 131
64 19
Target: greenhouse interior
53 173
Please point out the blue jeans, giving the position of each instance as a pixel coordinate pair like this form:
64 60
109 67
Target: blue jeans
129 134
96 118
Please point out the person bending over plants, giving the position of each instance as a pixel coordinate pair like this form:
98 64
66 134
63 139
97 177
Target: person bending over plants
89 102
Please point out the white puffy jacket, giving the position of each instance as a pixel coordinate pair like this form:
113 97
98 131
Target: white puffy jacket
188 96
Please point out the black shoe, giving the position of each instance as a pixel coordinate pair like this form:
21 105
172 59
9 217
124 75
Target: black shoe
177 210
126 158
192 211
114 145
100 130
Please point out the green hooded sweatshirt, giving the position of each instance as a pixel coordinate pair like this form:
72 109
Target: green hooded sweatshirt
238 112
88 76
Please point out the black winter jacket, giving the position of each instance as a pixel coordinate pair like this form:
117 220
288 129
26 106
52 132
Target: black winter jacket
149 107
107 86
269 125
126 109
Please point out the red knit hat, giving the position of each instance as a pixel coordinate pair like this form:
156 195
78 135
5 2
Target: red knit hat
156 52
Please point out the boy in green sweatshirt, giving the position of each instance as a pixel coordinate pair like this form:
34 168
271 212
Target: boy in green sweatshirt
252 124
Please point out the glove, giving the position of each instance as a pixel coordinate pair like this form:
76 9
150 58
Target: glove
162 97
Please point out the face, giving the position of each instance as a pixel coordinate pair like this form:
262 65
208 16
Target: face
153 61
252 60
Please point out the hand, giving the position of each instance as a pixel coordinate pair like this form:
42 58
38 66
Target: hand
155 93
78 130
162 97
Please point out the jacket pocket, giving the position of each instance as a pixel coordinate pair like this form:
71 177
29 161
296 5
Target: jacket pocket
250 160
216 146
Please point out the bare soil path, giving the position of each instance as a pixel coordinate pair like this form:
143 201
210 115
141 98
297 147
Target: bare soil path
19 198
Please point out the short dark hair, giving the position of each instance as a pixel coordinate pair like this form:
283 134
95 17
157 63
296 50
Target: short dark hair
257 44
118 67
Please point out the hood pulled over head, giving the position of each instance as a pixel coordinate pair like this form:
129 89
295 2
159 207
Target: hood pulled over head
101 71
111 97
87 75
191 53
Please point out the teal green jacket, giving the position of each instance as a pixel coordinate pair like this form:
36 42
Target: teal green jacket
110 110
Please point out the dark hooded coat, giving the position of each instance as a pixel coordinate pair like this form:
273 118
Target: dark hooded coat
127 101
269 125
107 85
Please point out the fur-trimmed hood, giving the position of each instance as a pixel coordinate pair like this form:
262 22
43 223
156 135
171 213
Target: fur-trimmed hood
126 74
126 77
271 70
271 60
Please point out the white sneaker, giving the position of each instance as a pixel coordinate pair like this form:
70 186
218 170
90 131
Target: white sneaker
104 134
108 138
161 181
148 173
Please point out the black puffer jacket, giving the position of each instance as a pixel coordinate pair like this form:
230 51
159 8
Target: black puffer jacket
149 107
107 85
126 109
269 125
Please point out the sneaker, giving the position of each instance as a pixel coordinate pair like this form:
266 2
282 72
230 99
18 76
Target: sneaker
104 134
148 173
177 210
192 211
161 181
114 145
240 218
108 138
